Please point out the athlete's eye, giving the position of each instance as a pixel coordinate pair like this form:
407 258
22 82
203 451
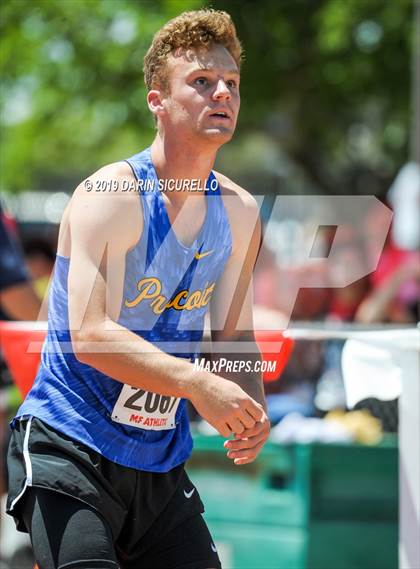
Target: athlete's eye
201 81
231 84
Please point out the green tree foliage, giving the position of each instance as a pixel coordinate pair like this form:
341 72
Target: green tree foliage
73 95
324 81
329 81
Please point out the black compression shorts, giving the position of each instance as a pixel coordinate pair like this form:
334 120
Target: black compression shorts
82 510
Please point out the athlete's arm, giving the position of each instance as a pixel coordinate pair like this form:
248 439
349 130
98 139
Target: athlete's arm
232 314
98 230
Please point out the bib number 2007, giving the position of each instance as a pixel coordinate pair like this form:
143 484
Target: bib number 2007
145 409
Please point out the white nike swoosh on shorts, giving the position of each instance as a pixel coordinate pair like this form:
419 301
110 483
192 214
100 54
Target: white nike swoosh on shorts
189 494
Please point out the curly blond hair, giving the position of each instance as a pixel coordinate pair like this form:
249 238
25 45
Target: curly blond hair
196 28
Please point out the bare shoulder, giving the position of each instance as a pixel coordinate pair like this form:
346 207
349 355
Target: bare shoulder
115 178
107 204
242 210
230 189
120 170
111 189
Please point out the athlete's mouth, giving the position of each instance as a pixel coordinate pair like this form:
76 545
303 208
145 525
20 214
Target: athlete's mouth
220 115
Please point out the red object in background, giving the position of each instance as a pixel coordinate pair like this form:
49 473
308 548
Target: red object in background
275 346
10 223
15 339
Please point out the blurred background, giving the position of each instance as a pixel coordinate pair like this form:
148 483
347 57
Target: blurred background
330 107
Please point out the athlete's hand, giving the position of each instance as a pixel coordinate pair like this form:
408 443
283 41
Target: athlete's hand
246 446
226 406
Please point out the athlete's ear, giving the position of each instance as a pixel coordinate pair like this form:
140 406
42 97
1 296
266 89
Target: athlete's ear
155 102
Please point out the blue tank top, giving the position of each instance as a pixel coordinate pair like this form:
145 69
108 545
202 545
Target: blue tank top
167 289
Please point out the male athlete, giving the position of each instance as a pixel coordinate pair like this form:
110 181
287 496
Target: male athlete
97 455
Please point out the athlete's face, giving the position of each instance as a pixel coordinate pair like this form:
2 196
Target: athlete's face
203 95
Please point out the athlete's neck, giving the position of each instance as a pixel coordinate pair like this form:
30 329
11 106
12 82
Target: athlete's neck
181 162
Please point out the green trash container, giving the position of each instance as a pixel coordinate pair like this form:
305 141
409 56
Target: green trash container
353 518
257 513
301 506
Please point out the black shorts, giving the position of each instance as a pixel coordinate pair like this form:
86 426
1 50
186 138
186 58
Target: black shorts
143 510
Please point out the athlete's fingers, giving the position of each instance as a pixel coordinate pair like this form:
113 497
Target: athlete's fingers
252 432
247 420
260 426
238 461
241 461
236 426
255 410
224 430
247 446
245 452
248 443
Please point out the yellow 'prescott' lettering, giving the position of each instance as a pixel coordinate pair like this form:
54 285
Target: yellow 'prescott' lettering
150 290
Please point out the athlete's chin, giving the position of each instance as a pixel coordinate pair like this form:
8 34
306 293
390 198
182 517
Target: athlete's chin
218 135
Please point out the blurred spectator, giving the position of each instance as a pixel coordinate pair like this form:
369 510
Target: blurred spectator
275 287
396 289
350 259
312 381
18 299
396 280
40 258
266 280
320 298
311 302
314 371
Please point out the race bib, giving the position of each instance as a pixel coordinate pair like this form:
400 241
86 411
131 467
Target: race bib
145 409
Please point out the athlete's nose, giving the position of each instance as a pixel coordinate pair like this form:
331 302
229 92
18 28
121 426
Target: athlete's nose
222 92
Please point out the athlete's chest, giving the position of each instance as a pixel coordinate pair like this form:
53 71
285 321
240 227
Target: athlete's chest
187 219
